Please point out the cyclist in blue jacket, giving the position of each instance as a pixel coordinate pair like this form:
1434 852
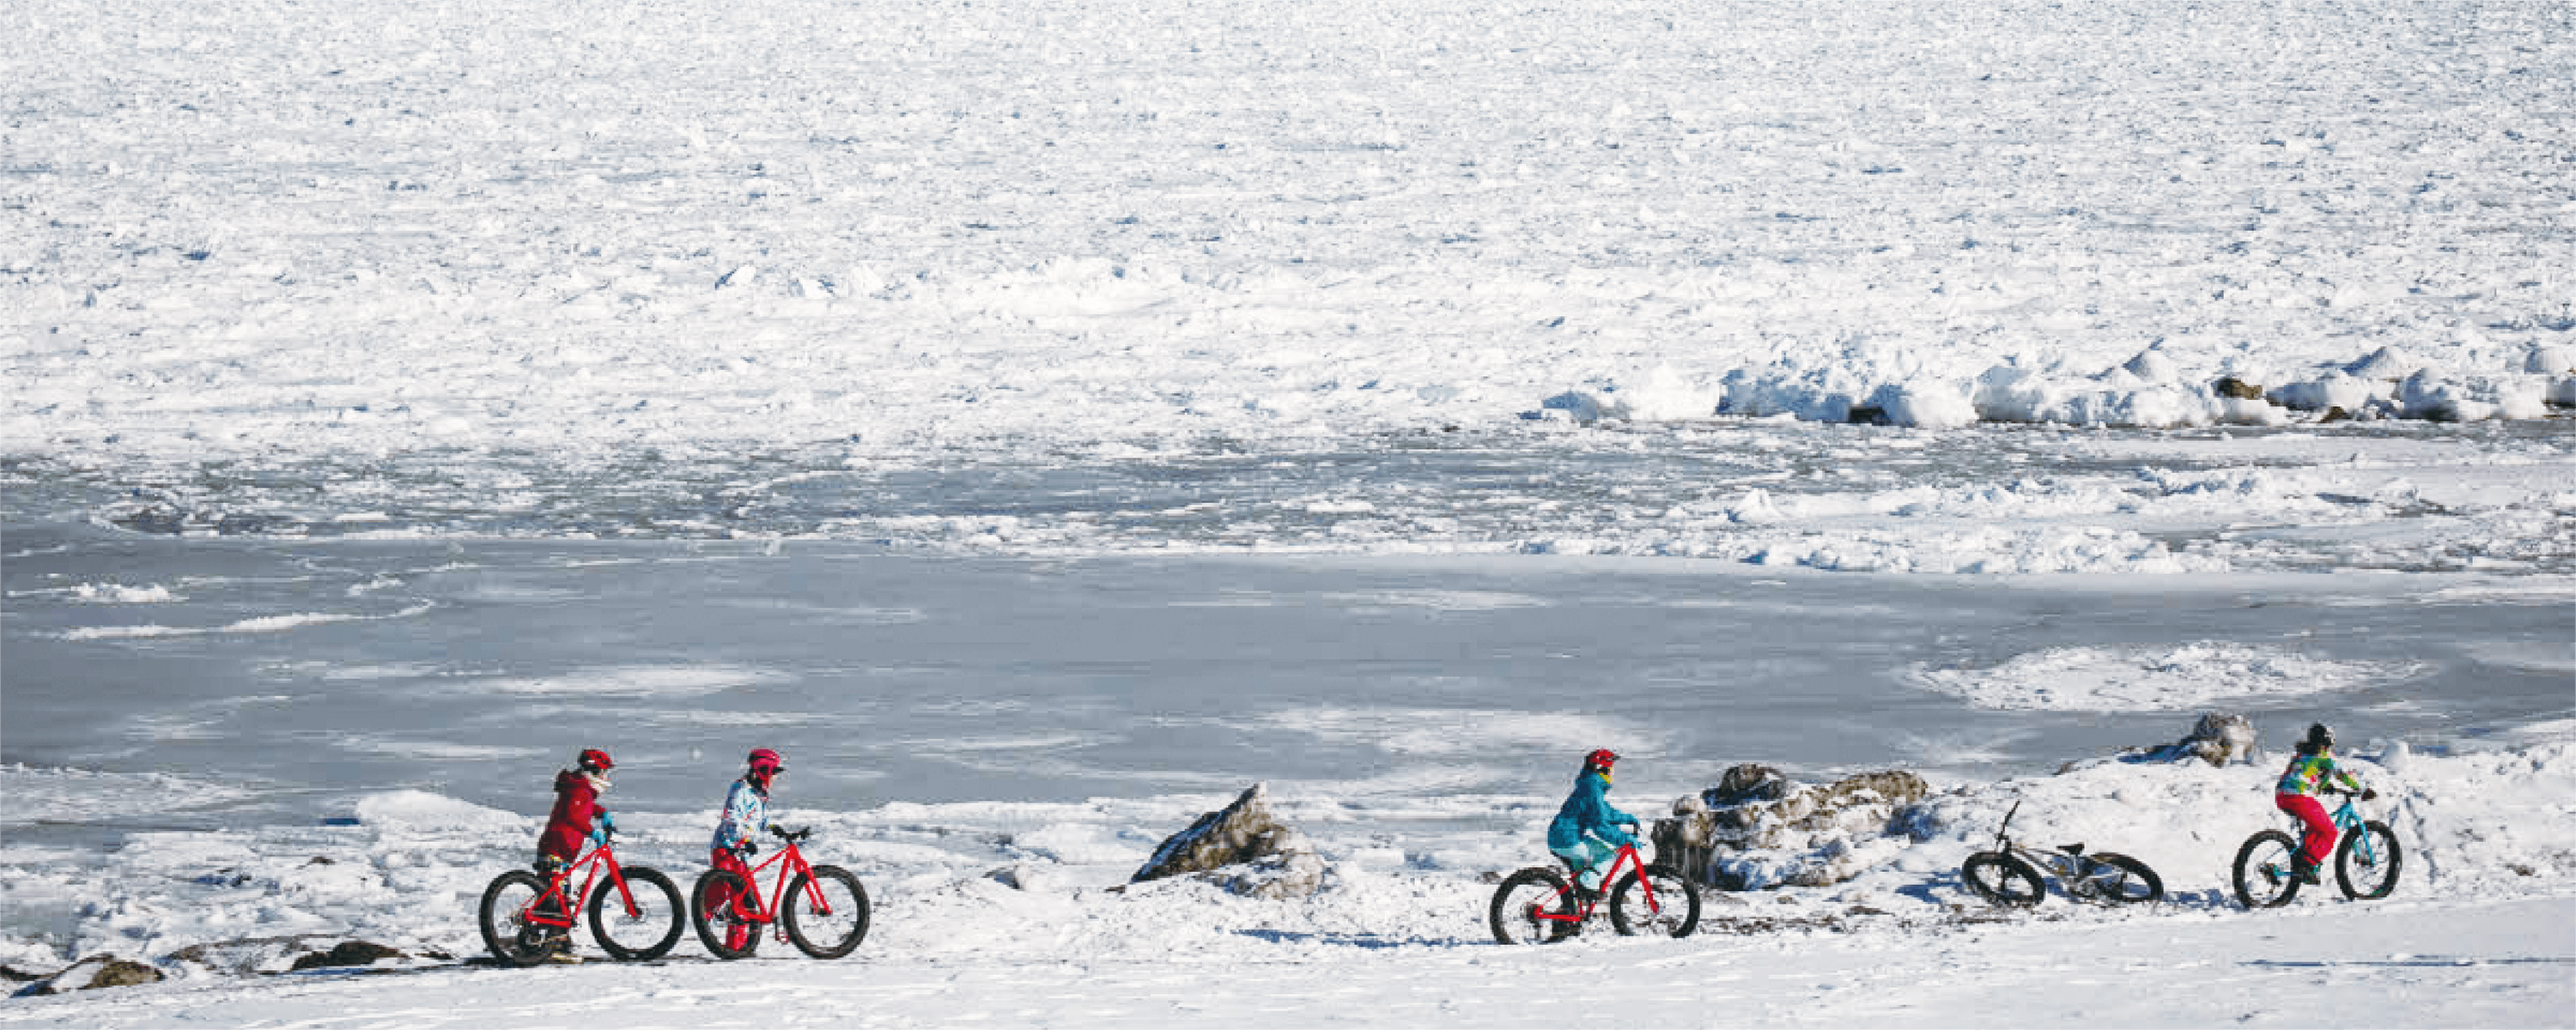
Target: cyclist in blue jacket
1586 830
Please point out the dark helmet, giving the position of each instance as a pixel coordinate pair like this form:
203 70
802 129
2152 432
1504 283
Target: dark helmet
596 760
2319 737
1600 759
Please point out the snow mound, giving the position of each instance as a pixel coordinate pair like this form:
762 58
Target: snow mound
418 810
2128 679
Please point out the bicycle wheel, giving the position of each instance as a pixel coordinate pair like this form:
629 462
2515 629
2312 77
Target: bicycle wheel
2002 879
1514 914
2122 880
502 916
2266 870
650 930
2366 864
721 923
1674 913
838 924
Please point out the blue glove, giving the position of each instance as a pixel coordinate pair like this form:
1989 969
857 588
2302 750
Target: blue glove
607 822
599 835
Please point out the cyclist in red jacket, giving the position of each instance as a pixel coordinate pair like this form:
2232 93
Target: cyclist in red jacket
576 817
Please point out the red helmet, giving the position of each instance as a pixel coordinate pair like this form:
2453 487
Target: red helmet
765 761
1600 759
594 758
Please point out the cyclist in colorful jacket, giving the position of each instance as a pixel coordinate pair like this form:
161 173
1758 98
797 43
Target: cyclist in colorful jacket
2312 772
746 813
1585 832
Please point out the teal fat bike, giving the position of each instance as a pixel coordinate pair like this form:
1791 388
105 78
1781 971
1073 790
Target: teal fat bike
2366 858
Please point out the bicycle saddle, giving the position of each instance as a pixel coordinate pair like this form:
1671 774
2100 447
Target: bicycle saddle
2072 849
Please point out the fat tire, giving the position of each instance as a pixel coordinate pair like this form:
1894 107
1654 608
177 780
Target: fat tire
497 915
712 933
1676 904
657 901
798 899
2255 883
2153 886
1520 893
2002 879
2348 868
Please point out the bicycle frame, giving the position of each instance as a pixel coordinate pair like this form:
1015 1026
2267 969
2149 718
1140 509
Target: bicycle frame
590 864
1627 856
2347 819
2073 870
793 867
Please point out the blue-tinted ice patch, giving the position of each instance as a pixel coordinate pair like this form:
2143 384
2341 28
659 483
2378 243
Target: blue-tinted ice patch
1442 600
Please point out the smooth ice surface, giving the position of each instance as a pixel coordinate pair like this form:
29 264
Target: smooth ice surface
332 667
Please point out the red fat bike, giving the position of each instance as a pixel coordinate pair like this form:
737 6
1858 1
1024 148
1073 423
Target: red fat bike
1538 905
821 908
524 918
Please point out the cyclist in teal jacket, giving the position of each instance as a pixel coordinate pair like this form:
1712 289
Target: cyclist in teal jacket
1586 830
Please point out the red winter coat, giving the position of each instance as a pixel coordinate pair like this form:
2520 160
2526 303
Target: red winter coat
576 809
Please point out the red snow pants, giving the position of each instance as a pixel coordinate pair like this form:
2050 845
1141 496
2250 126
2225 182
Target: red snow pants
2316 845
720 899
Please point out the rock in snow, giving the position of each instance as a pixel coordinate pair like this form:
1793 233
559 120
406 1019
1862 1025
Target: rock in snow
93 972
1243 848
2219 738
1757 828
348 953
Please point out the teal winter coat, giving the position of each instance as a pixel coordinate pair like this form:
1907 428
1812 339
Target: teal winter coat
1588 811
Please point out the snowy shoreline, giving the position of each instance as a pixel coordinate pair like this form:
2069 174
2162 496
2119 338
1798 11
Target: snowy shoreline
2484 829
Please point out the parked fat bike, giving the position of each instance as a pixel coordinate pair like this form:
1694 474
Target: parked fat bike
2366 858
2011 873
1539 905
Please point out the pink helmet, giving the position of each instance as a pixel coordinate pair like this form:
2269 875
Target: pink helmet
765 762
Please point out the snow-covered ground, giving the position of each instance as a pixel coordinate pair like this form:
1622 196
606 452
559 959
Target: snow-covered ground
1045 418
2478 935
